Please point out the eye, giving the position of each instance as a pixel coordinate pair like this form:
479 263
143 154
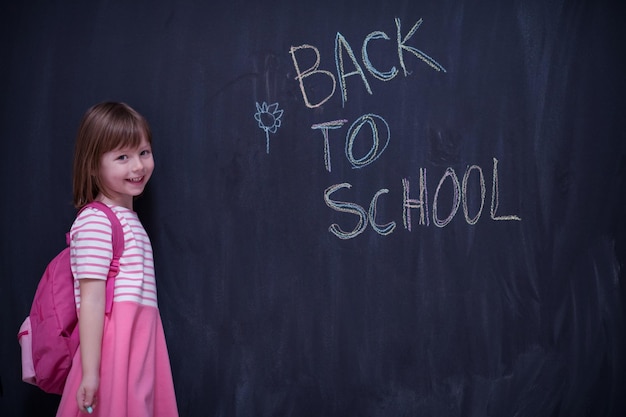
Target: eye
122 157
145 152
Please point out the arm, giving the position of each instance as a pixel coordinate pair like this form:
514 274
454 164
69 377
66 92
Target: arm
91 325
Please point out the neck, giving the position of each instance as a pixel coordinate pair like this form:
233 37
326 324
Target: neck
126 203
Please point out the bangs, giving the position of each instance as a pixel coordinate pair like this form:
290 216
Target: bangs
126 131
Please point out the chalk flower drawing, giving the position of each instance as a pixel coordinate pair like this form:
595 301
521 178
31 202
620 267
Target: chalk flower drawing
268 117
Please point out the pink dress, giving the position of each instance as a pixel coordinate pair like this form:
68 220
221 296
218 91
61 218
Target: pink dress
135 373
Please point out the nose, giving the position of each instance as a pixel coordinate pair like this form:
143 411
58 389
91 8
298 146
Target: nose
137 164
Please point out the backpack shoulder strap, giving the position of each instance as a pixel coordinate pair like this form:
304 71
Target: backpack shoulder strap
116 226
118 249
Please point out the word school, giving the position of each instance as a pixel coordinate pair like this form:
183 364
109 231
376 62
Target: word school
459 196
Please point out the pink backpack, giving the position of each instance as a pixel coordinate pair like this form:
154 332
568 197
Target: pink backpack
49 336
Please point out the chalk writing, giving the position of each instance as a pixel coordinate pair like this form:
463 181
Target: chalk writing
324 127
456 200
375 151
418 203
343 48
383 76
376 148
421 55
348 65
483 190
345 207
353 208
459 194
340 44
309 72
495 194
385 229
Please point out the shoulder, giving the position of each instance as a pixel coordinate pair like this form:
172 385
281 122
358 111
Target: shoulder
128 218
94 219
91 219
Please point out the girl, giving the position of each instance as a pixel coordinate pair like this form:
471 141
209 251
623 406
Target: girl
122 367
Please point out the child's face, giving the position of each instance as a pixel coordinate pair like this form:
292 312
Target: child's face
125 172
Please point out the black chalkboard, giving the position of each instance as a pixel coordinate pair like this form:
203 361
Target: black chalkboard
359 208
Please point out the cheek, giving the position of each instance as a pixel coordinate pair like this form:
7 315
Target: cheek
149 165
104 173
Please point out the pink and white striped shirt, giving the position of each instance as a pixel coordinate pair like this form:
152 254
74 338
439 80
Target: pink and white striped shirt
91 252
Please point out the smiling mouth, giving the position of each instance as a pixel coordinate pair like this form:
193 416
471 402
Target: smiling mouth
137 179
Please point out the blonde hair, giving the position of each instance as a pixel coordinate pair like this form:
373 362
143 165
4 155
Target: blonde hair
104 127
